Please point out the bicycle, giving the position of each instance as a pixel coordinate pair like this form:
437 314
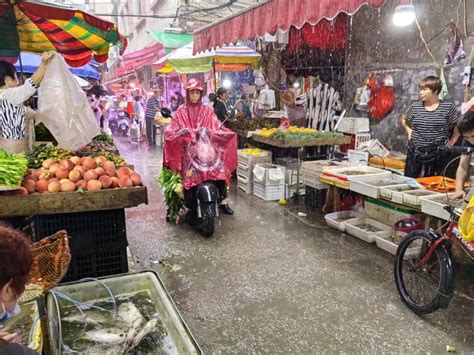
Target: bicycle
424 269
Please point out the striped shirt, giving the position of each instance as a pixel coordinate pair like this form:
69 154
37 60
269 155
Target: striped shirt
12 110
431 127
152 105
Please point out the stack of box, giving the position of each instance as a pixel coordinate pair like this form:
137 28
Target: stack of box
291 175
247 159
269 181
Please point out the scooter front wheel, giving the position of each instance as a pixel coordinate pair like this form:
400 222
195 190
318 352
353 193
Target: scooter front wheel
208 214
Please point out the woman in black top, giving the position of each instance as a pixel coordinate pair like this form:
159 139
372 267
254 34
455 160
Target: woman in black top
220 108
430 124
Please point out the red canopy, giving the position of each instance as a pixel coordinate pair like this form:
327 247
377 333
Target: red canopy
135 60
270 16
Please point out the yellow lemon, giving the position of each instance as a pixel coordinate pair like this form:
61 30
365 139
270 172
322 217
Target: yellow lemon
282 202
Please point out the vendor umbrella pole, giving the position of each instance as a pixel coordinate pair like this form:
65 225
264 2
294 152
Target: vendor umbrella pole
214 74
15 24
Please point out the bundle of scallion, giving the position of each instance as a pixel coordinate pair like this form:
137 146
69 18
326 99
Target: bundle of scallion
13 168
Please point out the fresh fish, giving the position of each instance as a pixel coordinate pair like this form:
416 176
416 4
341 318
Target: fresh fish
130 315
107 335
93 317
147 329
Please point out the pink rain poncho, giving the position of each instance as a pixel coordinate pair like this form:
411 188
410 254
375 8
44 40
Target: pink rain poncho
197 145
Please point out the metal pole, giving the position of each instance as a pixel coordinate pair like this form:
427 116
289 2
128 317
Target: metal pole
214 74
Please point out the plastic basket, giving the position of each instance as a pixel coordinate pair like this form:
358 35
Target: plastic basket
268 192
361 138
245 184
98 240
335 221
314 198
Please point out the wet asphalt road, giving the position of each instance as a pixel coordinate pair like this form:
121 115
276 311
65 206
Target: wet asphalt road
271 282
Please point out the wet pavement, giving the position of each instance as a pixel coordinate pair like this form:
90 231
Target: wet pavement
269 281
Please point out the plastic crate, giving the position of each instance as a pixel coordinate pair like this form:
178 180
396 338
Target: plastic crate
98 241
268 192
288 162
361 138
314 198
353 125
245 184
247 161
97 263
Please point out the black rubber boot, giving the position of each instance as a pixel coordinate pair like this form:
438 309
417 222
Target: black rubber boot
226 209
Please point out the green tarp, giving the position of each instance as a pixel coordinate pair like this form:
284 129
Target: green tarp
171 40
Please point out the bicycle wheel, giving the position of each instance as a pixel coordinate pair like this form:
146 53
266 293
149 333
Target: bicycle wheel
430 287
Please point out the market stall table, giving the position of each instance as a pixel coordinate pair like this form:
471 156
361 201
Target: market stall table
95 221
300 144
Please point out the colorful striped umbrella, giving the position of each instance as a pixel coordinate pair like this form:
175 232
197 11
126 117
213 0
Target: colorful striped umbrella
76 35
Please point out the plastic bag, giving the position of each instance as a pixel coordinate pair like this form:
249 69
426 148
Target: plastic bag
466 222
64 107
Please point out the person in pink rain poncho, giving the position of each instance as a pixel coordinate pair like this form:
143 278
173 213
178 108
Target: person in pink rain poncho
199 147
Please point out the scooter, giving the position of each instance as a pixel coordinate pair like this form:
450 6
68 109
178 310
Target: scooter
204 161
113 120
123 123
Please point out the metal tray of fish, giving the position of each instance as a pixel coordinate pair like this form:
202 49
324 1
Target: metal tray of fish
122 314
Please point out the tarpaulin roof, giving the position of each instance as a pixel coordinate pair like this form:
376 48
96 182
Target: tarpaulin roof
76 35
135 60
229 58
171 40
270 16
31 62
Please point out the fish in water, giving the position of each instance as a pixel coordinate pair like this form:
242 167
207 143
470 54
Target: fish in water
92 317
129 314
107 335
147 329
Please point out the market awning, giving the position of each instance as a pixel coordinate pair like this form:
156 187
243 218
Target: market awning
171 40
135 60
271 16
38 27
228 58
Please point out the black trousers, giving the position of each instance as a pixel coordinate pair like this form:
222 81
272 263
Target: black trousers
417 168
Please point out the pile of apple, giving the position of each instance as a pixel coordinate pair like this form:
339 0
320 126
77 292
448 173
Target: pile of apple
75 173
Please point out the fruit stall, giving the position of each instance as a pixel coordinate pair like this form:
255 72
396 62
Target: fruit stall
84 192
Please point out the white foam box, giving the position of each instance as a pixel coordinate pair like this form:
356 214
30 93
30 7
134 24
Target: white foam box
434 208
271 174
357 172
369 237
412 198
370 186
385 243
395 193
332 219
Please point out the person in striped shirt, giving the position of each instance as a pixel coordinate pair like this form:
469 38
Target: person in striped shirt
153 105
430 124
13 112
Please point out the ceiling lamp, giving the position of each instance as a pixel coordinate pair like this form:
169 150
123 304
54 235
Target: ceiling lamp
404 14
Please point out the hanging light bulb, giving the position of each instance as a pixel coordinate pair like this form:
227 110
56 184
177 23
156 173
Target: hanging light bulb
404 14
227 83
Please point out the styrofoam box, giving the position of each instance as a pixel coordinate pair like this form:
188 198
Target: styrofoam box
268 192
246 161
369 237
366 172
314 182
384 243
268 167
244 172
390 192
434 208
365 185
331 219
411 197
353 125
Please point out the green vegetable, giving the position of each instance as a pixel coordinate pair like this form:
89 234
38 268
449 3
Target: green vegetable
13 168
103 137
169 181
